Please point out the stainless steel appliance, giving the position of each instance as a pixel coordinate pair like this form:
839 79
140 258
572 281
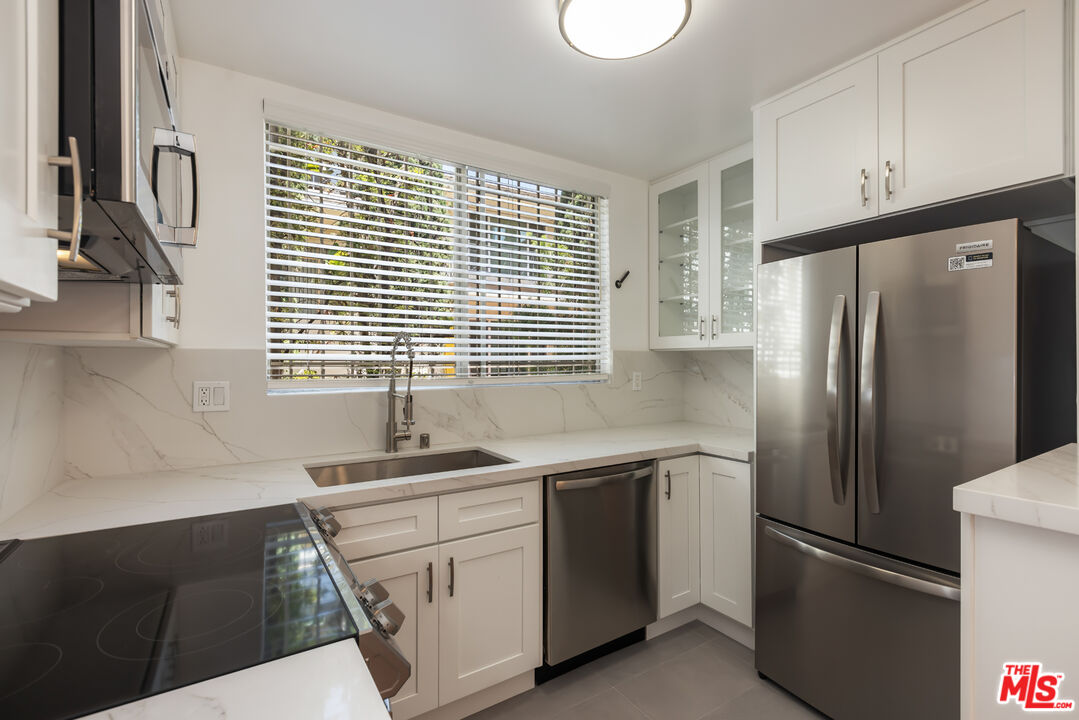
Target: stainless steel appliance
600 561
887 374
377 619
116 121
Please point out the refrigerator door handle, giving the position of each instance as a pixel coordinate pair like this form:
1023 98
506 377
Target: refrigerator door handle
867 416
836 453
948 592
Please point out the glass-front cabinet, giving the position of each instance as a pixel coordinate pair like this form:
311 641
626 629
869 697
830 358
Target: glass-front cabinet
680 258
702 255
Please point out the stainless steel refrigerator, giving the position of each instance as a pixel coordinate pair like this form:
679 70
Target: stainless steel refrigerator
887 374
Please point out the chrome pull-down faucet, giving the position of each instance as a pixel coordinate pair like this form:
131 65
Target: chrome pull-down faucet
392 434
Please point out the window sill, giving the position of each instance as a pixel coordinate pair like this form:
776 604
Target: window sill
330 387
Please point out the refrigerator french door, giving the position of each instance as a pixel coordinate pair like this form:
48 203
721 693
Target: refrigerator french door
886 375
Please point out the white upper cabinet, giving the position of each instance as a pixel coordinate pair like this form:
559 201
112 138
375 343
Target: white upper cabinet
973 103
29 86
702 255
678 244
816 153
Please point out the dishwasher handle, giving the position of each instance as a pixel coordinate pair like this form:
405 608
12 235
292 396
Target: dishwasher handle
591 482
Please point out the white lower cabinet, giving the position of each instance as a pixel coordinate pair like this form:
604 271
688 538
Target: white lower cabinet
489 610
726 538
410 578
472 605
678 490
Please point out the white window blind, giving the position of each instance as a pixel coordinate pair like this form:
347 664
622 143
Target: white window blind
495 277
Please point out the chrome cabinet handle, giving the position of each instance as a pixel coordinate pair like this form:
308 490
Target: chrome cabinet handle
865 197
175 317
591 482
888 179
668 484
702 328
836 453
867 412
431 583
948 592
74 237
183 144
715 321
451 577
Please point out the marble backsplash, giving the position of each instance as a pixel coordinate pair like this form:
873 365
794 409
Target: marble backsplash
31 422
129 410
718 388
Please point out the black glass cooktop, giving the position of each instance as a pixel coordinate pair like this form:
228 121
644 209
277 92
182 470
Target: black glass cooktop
94 620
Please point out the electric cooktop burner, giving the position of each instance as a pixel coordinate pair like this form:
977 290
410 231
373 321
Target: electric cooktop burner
95 620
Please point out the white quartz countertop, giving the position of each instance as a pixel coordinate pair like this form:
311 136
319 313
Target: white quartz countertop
1042 492
327 683
97 503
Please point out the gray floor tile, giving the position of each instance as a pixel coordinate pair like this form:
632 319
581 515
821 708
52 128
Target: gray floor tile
639 658
764 703
690 685
551 698
610 705
732 649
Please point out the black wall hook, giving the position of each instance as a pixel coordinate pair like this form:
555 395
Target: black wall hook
619 281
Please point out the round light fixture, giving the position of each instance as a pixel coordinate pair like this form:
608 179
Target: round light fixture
617 29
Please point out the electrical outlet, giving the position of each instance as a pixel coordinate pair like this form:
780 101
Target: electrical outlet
636 380
210 396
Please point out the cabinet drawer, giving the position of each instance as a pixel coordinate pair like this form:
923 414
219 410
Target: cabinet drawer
380 529
494 508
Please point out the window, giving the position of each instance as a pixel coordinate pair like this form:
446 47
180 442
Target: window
496 278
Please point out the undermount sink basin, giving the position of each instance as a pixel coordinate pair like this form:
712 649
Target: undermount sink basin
395 467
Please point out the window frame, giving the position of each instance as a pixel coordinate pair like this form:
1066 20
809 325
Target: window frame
464 158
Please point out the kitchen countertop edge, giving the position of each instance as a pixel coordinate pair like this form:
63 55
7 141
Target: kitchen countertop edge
1041 492
80 505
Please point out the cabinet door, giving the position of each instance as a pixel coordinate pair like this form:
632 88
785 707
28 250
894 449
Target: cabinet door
489 610
973 103
813 147
730 252
161 312
726 538
678 248
29 83
409 577
679 535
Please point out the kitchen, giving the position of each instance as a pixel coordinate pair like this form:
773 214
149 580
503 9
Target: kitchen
477 403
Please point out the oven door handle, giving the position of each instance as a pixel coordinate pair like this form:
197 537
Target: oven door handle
591 482
182 144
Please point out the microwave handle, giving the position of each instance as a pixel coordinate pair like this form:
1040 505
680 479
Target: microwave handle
183 144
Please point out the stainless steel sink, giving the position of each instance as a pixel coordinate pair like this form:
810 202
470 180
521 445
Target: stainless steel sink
395 467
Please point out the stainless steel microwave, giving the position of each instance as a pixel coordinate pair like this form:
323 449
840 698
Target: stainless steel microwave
136 170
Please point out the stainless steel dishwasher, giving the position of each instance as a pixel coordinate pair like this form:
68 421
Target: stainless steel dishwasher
600 565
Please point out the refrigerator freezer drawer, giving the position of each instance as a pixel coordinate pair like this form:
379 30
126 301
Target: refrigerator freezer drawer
855 634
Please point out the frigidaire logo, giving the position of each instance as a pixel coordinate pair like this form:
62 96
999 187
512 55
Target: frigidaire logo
1032 689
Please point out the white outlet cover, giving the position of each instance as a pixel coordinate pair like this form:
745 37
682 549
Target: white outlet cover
636 380
210 395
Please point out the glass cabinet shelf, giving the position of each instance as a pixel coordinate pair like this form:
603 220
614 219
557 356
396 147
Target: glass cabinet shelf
703 255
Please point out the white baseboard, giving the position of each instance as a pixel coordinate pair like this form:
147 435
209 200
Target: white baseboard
716 620
483 699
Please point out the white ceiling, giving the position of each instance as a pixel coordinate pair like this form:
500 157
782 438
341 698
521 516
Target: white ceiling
500 69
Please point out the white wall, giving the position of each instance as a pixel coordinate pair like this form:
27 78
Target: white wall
224 277
31 409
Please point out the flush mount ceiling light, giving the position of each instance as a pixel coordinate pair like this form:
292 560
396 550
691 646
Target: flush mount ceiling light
617 29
